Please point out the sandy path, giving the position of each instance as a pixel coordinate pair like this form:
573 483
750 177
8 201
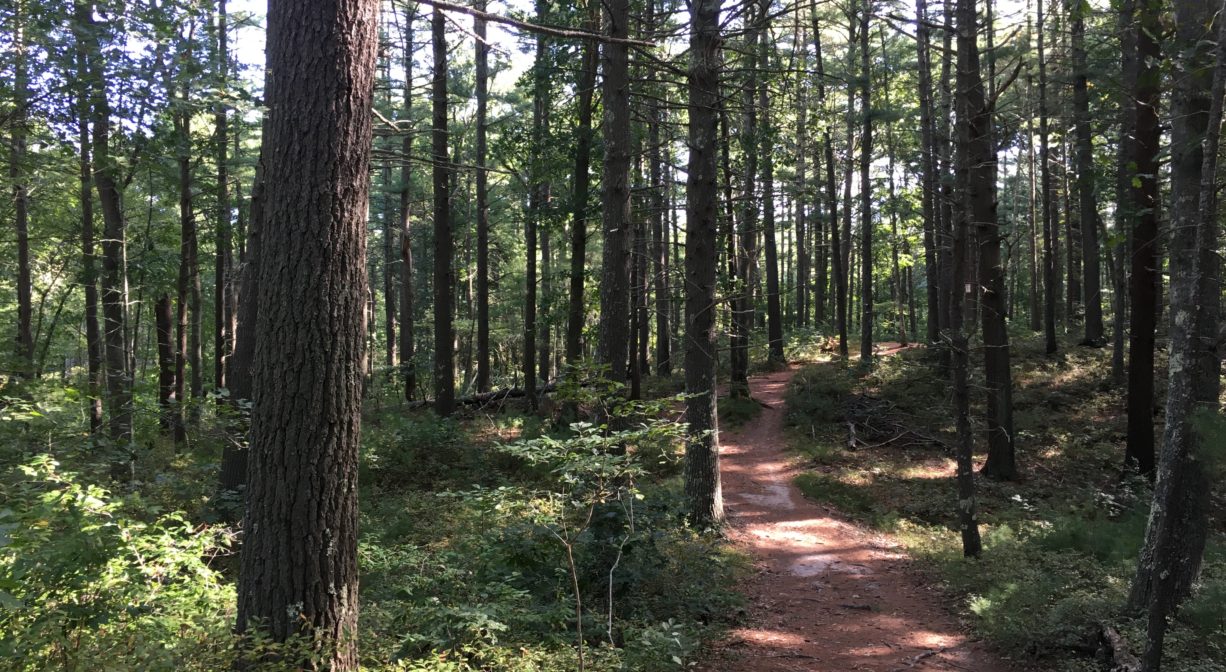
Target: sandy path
827 596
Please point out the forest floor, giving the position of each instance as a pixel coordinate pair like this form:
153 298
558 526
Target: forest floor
827 594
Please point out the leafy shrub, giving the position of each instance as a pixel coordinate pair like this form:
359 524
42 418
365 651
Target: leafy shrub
817 396
83 585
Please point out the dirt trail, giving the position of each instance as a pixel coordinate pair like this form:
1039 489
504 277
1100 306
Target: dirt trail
827 596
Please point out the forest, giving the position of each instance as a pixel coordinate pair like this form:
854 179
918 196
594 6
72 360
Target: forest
642 335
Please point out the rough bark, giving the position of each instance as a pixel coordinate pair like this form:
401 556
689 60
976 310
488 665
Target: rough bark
1178 527
702 479
980 205
444 276
299 557
614 339
866 193
659 234
975 180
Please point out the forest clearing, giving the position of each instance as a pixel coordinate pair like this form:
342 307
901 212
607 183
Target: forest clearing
631 335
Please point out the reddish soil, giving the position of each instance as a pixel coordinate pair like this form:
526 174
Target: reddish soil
827 595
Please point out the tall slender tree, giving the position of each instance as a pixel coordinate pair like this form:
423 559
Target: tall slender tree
483 209
614 341
1143 292
444 276
702 476
866 190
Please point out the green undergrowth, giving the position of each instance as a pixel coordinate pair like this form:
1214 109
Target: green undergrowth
486 543
1060 544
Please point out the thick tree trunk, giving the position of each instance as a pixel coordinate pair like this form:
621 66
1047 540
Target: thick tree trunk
702 479
576 308
1143 295
980 150
444 277
613 348
1175 539
976 179
1173 551
299 557
866 193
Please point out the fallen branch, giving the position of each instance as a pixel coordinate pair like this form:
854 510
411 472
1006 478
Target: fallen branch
487 397
915 660
1114 649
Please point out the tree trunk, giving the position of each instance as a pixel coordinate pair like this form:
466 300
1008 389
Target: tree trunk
659 236
114 263
299 556
901 288
1143 294
613 350
743 308
93 336
17 173
169 405
576 308
1123 182
483 213
976 179
222 338
1175 539
774 317
1036 317
1085 179
408 344
234 458
928 167
536 204
866 194
835 249
1045 189
980 149
444 334
702 478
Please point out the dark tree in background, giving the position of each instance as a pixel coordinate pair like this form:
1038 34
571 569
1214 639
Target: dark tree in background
299 556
